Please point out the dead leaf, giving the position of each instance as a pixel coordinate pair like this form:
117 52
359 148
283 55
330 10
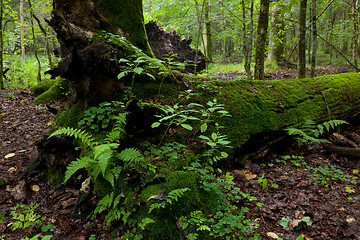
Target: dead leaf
161 196
293 224
356 171
12 169
272 235
305 237
35 188
350 190
10 155
350 220
250 176
245 173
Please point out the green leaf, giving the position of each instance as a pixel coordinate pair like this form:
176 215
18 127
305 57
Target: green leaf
224 154
214 136
122 74
138 70
151 76
186 126
300 237
203 127
307 221
284 222
155 125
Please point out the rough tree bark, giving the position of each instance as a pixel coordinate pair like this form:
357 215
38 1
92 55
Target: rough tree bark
90 67
314 38
261 39
302 40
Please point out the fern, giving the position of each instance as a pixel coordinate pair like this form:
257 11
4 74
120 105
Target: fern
85 137
118 130
309 132
74 166
170 199
103 154
131 155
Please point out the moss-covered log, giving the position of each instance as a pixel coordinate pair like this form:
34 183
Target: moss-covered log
267 106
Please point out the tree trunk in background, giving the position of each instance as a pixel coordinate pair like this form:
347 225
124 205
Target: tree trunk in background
2 85
314 38
275 40
261 39
302 40
34 39
247 39
208 37
21 13
355 38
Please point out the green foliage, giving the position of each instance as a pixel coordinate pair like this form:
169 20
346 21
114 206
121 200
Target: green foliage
23 74
309 132
263 182
170 199
297 223
102 117
112 169
24 216
330 174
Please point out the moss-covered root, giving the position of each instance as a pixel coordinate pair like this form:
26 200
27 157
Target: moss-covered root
58 89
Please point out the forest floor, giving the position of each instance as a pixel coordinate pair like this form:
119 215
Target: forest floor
304 191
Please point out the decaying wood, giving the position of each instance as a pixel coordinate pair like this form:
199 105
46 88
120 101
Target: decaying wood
344 151
165 44
344 140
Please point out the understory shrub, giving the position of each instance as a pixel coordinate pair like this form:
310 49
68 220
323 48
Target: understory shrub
166 190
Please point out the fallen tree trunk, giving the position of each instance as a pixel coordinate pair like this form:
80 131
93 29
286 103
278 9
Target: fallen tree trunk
259 107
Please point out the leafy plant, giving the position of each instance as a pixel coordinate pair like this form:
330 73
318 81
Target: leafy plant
263 182
330 174
287 222
309 132
169 199
24 216
103 116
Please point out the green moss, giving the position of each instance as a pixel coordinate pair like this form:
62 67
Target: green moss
3 183
57 90
55 176
70 118
265 106
42 87
272 63
165 219
127 16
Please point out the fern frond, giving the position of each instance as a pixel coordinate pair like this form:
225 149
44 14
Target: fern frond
76 165
104 203
131 155
85 137
118 130
332 124
103 154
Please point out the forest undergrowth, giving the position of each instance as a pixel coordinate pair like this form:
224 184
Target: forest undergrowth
293 193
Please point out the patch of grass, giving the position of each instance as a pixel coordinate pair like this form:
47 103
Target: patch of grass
22 75
215 68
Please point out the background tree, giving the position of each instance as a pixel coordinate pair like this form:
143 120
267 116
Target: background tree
1 45
260 46
302 40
